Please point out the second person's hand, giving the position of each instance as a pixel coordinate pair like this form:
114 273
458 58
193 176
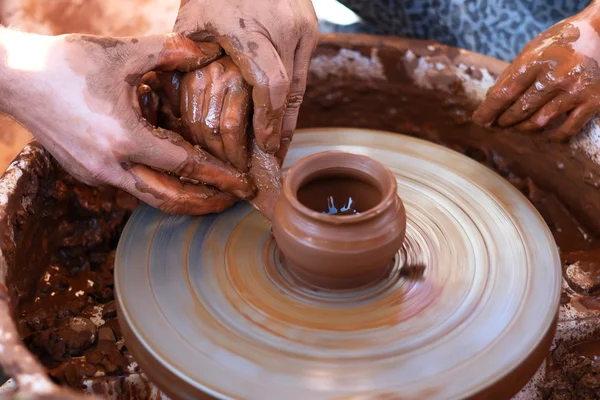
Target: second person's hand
271 41
556 74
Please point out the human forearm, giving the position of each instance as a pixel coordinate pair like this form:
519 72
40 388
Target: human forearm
22 58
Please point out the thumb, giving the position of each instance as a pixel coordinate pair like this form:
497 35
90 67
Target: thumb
171 52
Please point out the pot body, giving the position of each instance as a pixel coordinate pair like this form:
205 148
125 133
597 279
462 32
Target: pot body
339 252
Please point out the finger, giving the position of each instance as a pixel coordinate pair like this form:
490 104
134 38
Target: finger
299 77
559 105
151 79
182 54
263 69
508 89
171 84
288 60
168 151
213 106
167 120
192 106
172 196
574 123
169 52
538 94
234 122
148 104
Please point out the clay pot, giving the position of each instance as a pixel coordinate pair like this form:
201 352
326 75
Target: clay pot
332 250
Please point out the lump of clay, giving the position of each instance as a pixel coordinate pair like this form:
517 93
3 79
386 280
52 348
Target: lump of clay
583 270
107 353
72 337
73 372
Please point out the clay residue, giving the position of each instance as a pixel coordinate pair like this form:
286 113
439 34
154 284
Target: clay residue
438 72
348 62
67 317
588 140
573 371
265 172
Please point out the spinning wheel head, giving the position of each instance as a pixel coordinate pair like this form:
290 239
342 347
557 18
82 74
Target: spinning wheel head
207 306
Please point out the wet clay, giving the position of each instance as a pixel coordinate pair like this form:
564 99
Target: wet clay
265 172
68 317
339 251
338 195
572 371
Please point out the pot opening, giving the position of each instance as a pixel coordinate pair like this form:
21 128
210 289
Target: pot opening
339 192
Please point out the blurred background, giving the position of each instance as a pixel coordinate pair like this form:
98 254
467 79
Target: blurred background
335 17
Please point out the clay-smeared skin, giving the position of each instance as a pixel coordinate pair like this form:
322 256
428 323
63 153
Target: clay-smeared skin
171 83
94 125
214 103
265 171
557 73
148 104
214 108
271 42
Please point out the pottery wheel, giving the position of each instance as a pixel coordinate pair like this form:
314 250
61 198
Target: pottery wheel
207 306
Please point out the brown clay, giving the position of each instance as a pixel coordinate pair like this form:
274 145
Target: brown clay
265 172
339 251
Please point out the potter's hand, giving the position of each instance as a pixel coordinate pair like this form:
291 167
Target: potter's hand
271 41
79 96
214 107
213 103
556 73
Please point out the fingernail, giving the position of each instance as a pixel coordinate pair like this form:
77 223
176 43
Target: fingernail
272 144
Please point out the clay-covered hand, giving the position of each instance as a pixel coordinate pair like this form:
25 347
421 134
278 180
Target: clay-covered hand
557 73
214 105
272 42
81 96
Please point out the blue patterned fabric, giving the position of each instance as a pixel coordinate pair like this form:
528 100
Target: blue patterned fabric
498 28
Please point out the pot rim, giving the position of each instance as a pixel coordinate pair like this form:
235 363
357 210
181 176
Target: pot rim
290 189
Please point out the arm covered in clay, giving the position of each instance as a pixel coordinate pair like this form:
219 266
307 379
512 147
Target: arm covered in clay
78 95
555 80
